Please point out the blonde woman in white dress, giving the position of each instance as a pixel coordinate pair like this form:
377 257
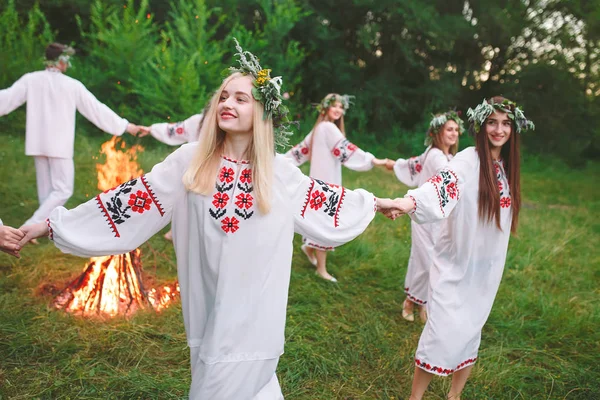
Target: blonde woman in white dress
328 149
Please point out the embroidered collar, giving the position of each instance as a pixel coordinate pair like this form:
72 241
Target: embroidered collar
235 161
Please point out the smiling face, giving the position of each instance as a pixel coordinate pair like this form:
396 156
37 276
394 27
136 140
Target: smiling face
335 111
449 133
236 106
498 128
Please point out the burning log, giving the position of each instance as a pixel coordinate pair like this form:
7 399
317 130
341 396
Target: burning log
113 285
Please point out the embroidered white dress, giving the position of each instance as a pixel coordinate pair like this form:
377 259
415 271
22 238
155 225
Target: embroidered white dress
233 262
177 133
414 172
330 151
467 266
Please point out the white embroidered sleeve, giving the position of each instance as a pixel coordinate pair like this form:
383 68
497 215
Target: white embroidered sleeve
177 133
98 113
14 96
300 153
330 214
121 219
346 152
436 198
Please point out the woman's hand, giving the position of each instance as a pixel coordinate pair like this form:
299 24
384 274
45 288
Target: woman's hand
9 240
378 162
395 208
390 164
33 231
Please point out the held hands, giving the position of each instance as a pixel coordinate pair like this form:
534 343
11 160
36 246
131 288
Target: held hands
32 231
134 129
144 131
9 240
396 207
389 165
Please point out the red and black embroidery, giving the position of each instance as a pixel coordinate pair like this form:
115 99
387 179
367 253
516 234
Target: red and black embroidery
343 150
444 371
325 197
414 166
446 185
300 152
176 129
232 197
230 224
503 188
125 199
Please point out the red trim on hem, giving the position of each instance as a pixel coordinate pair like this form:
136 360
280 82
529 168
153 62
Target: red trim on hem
113 227
443 371
317 246
413 298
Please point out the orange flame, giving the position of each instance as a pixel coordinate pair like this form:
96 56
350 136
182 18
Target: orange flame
112 285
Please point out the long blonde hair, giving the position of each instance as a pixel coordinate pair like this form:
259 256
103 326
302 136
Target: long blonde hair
202 172
322 115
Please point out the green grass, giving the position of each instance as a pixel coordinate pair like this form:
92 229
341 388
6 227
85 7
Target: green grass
345 341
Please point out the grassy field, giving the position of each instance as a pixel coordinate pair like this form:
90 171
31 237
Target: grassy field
344 341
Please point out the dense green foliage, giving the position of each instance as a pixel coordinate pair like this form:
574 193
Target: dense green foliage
154 60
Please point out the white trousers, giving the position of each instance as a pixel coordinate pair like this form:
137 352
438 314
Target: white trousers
241 380
55 181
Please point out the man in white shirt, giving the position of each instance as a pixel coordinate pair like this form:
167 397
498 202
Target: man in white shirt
52 100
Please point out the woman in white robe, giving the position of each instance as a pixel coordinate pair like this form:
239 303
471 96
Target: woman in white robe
234 215
328 149
442 142
478 197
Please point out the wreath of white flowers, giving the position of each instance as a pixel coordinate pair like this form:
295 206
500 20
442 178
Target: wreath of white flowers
65 57
345 99
267 90
478 116
438 121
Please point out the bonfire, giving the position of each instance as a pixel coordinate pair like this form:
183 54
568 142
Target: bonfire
113 285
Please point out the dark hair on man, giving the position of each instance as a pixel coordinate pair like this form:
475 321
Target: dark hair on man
54 50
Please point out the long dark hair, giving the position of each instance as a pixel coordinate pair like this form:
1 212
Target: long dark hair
489 194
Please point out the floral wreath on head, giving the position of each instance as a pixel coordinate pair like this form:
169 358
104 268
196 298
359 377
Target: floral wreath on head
478 116
266 90
327 102
440 120
65 57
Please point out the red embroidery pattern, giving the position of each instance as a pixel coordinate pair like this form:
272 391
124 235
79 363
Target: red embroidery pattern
175 129
316 246
300 152
230 224
413 298
414 210
444 371
117 203
446 186
505 200
241 195
235 161
327 197
139 202
343 150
